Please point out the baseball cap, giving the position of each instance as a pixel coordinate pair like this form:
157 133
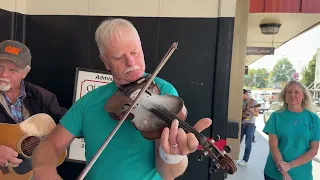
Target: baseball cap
15 52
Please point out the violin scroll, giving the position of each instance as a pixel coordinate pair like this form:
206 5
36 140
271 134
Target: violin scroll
220 159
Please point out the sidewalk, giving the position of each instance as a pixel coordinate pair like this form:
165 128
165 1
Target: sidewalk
254 169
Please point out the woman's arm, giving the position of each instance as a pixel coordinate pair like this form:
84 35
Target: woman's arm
276 154
273 143
306 157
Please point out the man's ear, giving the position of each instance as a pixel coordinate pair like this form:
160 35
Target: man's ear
26 71
105 62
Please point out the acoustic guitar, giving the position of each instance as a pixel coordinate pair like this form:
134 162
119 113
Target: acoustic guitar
246 111
24 138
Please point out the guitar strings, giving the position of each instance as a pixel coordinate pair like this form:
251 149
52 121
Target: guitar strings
30 145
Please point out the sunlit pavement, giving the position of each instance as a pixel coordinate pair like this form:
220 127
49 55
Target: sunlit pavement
259 153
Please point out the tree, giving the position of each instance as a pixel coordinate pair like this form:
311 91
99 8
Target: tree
262 78
257 78
308 72
249 79
282 71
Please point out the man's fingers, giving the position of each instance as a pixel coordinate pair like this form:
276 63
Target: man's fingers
164 141
14 160
183 142
13 165
173 132
192 142
202 124
174 149
9 151
13 153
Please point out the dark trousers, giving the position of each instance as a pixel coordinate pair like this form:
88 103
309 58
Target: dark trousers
267 177
254 137
248 130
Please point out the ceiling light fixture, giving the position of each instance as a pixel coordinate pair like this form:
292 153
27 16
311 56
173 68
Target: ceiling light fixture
270 29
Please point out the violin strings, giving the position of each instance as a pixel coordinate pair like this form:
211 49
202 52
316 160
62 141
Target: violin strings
169 117
202 139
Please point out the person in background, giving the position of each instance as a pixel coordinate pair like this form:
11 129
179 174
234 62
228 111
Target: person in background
249 114
20 99
294 135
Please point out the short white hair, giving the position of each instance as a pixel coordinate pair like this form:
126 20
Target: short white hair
27 69
111 27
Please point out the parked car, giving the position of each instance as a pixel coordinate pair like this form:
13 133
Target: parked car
273 107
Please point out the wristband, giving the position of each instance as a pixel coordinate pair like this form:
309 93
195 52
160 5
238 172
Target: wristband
170 158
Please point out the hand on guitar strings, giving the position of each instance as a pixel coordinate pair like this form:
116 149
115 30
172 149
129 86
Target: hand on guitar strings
8 157
177 142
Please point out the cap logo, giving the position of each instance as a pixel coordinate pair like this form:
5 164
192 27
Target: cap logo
12 50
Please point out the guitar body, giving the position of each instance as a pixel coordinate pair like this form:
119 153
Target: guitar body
246 112
24 138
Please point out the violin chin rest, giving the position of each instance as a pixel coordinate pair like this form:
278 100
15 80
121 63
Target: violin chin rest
116 102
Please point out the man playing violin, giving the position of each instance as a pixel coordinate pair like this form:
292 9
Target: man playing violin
128 155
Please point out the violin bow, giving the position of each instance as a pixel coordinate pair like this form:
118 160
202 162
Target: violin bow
106 142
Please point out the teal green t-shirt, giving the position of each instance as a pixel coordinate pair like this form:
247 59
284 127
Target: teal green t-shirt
295 131
128 155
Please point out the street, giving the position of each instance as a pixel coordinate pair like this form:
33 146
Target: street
259 153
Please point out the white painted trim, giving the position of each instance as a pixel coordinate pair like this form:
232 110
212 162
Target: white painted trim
14 5
136 8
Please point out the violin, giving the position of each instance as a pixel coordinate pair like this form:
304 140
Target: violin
141 103
152 113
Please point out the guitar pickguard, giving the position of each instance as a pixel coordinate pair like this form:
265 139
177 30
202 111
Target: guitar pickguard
4 170
23 167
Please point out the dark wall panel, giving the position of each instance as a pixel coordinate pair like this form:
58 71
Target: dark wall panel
190 70
199 69
5 24
58 45
221 80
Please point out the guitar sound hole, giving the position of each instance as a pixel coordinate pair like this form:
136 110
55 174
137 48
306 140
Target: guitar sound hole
29 144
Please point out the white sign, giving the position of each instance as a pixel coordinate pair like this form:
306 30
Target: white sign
86 80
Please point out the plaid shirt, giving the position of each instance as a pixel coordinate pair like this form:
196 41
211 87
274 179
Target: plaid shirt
16 108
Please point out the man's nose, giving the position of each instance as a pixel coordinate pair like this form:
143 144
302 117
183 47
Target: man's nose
130 60
4 73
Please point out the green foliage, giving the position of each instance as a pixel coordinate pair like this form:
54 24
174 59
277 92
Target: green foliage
257 78
282 71
308 72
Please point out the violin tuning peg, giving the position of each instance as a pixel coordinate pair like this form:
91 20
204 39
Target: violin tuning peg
201 157
214 168
227 149
216 137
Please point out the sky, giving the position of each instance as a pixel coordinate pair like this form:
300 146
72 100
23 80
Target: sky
299 51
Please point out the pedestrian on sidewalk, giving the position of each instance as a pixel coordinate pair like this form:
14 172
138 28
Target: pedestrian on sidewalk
294 135
250 111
